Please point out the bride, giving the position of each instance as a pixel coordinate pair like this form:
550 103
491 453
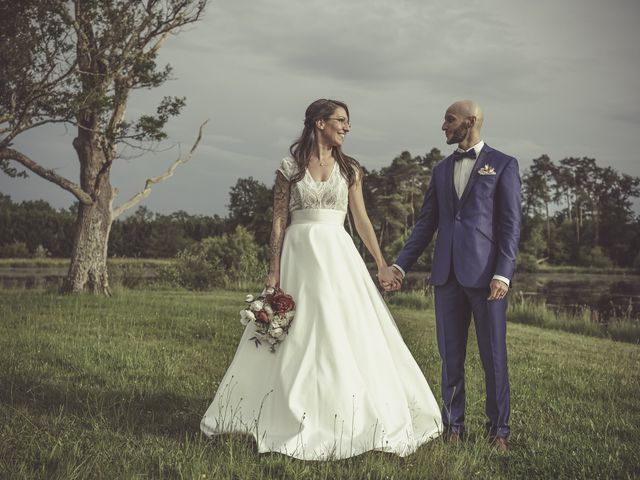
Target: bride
343 382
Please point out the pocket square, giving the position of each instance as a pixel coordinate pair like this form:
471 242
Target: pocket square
487 170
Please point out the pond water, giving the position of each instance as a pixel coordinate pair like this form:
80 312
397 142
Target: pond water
609 294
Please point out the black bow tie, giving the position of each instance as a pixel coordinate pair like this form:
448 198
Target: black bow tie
468 154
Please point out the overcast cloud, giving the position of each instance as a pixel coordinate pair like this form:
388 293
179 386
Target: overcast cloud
556 78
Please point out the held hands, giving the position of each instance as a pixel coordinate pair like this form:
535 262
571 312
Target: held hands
498 289
390 278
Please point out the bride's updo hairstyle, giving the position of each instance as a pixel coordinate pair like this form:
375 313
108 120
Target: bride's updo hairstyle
304 146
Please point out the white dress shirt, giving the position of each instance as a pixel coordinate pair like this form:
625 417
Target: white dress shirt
463 167
461 173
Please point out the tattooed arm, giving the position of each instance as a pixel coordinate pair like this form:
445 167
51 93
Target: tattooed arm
280 214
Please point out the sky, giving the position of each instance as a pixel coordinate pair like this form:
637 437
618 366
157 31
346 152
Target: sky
555 78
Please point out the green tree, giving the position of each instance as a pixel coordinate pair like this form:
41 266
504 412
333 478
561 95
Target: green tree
167 236
251 205
76 63
537 186
36 225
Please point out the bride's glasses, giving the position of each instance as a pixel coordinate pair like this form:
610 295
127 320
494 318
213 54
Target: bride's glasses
343 121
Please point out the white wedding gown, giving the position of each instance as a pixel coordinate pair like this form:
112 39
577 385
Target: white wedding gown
343 381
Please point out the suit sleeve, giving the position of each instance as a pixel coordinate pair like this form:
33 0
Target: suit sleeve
423 231
509 217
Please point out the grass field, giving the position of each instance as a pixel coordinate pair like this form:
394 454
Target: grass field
115 388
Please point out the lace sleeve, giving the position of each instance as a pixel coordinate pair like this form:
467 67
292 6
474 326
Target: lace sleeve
287 168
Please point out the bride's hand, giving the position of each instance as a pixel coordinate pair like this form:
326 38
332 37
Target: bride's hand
272 280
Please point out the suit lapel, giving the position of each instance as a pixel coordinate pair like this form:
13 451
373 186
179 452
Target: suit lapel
473 178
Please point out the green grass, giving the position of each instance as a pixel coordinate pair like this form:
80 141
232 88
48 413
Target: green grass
115 388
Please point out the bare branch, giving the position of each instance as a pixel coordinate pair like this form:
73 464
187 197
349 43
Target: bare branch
80 194
121 96
133 201
161 40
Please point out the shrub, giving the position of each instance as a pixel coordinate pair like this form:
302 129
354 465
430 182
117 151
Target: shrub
41 252
227 260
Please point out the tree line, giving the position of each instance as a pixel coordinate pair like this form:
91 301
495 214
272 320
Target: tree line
574 213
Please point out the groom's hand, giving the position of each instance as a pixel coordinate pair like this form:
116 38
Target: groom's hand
499 290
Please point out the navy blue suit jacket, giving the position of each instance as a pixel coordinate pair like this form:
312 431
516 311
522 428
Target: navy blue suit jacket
477 234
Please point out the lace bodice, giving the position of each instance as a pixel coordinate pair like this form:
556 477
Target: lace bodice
331 194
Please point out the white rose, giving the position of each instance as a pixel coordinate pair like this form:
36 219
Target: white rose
257 305
276 321
286 319
248 298
246 316
280 321
276 332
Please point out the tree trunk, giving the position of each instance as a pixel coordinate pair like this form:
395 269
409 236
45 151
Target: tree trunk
596 224
578 221
546 208
88 268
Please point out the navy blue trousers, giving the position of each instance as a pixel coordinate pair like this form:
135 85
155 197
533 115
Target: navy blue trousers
454 306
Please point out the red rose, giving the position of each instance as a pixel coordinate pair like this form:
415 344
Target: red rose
262 317
281 303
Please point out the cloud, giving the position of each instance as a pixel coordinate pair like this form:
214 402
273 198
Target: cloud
553 77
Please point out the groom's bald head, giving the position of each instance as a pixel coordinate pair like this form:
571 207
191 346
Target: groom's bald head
469 109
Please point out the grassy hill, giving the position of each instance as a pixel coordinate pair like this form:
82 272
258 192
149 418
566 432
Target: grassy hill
115 388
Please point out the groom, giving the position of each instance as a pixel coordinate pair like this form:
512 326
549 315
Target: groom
473 202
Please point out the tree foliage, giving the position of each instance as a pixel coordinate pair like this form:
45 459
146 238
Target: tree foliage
251 205
77 63
575 212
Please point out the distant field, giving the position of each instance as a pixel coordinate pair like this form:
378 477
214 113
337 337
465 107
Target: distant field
64 262
115 388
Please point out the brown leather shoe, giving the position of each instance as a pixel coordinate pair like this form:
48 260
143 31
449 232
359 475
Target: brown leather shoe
454 437
501 444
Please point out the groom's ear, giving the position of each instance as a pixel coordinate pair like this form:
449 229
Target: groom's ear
471 121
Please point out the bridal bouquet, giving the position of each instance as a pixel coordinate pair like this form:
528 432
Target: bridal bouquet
272 313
